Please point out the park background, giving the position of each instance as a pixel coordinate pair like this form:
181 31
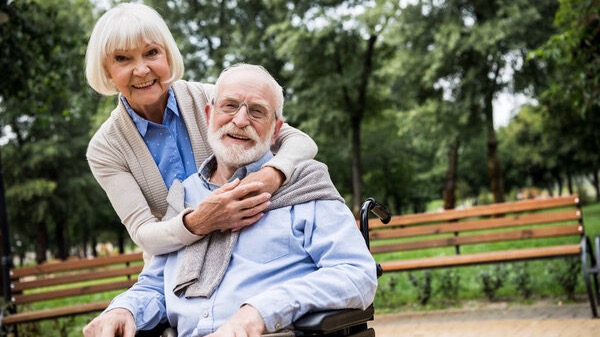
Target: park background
402 97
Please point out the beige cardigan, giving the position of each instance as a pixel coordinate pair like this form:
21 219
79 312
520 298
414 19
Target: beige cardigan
124 168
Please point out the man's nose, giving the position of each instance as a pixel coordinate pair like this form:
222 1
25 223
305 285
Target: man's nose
241 118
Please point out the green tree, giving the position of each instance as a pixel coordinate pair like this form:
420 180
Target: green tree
46 110
334 55
531 154
464 52
572 97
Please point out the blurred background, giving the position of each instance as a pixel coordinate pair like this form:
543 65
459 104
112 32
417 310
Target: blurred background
423 105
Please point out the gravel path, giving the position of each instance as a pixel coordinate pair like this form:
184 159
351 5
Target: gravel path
492 320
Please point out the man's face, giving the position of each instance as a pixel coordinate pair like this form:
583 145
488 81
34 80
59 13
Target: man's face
242 123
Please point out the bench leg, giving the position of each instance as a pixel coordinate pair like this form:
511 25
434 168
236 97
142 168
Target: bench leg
590 273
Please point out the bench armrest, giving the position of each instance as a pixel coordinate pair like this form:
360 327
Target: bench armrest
333 320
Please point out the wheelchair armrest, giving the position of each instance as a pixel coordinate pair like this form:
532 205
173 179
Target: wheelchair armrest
333 320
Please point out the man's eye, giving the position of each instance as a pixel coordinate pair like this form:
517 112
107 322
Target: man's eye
258 112
230 107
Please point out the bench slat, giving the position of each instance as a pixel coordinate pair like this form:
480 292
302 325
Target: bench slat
477 211
451 227
83 290
480 258
75 265
533 233
75 278
32 316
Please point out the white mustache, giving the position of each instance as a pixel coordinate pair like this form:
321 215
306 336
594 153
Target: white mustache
246 132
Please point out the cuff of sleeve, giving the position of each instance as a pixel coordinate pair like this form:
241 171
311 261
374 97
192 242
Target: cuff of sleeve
182 233
276 314
146 314
283 166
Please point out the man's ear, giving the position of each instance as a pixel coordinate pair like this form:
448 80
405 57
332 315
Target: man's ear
278 125
207 108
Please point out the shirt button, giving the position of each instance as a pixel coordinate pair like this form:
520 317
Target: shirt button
205 314
277 326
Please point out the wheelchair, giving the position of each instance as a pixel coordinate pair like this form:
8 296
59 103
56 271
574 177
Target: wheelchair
327 323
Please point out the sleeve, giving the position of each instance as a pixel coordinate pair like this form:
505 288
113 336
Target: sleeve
345 277
291 147
146 298
145 229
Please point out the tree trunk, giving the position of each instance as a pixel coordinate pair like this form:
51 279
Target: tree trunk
121 238
61 245
493 163
356 117
450 185
356 169
570 182
94 243
596 184
41 242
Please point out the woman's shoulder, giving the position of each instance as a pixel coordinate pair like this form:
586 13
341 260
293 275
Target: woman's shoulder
113 127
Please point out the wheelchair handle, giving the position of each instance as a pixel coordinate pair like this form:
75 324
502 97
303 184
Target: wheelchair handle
371 205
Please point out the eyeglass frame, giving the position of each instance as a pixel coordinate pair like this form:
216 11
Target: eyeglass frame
270 110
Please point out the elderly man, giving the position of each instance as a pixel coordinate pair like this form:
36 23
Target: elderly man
304 254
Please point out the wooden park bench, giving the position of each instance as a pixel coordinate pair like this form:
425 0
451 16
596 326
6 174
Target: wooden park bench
34 288
503 232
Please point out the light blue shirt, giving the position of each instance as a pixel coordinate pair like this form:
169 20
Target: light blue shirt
168 143
294 260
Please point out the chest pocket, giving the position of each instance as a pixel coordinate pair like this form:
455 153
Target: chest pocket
267 240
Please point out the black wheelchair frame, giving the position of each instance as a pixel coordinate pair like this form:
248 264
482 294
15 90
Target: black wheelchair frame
327 323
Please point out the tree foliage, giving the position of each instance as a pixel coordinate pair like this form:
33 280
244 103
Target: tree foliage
397 95
46 125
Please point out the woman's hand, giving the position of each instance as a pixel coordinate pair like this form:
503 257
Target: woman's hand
270 177
236 204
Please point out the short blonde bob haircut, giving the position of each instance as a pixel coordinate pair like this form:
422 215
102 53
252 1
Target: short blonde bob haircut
127 26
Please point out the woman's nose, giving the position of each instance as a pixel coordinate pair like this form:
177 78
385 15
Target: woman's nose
141 69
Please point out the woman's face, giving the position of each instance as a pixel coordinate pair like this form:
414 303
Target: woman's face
140 75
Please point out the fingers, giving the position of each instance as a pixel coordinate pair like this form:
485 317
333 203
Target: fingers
117 322
228 187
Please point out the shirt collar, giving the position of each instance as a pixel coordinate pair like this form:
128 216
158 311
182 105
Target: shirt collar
210 165
142 123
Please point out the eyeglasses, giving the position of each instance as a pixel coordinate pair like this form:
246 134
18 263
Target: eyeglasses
255 111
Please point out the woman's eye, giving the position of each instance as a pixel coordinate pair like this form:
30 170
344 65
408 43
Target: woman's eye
152 52
120 58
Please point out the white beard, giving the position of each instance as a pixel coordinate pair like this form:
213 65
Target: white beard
238 155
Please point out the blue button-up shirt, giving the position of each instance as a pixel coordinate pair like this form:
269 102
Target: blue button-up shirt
295 259
168 142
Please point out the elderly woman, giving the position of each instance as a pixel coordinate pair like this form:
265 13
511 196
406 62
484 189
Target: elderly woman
157 133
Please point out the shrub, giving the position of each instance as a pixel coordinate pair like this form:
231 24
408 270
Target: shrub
449 286
423 286
522 279
492 280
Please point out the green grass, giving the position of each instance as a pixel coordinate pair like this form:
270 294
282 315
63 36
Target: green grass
396 293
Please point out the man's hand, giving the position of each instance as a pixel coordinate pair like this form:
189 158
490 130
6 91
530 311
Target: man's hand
246 322
117 322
